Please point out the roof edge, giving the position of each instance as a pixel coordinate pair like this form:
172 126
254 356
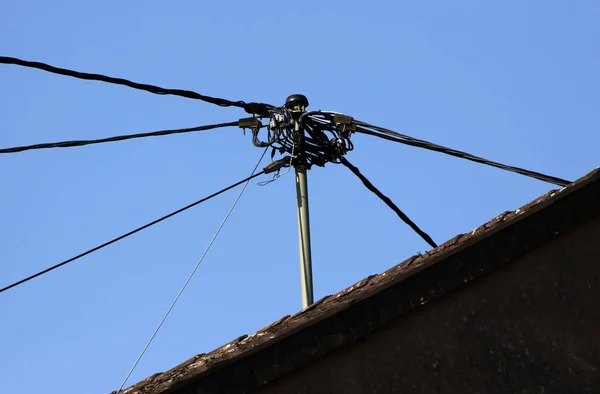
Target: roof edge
336 320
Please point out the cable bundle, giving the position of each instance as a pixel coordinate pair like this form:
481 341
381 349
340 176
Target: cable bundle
320 139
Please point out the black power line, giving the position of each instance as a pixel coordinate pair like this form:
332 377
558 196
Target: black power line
129 233
253 108
389 202
67 144
404 139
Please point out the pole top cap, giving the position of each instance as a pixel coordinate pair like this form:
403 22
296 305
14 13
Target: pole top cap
296 100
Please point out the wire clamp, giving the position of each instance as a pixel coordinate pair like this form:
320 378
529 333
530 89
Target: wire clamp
347 123
250 123
278 164
260 109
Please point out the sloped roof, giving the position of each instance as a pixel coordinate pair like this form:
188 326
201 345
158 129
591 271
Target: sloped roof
336 320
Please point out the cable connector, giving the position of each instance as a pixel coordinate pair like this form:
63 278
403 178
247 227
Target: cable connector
278 165
250 123
260 109
347 123
343 119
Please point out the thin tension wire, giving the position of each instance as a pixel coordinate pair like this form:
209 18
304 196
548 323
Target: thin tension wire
129 233
189 278
389 202
68 144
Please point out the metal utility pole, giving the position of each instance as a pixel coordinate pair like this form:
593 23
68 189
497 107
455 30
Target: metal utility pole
297 104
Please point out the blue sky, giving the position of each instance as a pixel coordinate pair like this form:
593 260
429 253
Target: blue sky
512 81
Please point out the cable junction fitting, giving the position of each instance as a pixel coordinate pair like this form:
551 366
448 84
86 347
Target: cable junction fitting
323 137
278 164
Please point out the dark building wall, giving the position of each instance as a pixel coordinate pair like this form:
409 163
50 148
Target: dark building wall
532 326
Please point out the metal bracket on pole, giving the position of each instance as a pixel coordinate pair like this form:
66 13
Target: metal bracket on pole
297 104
